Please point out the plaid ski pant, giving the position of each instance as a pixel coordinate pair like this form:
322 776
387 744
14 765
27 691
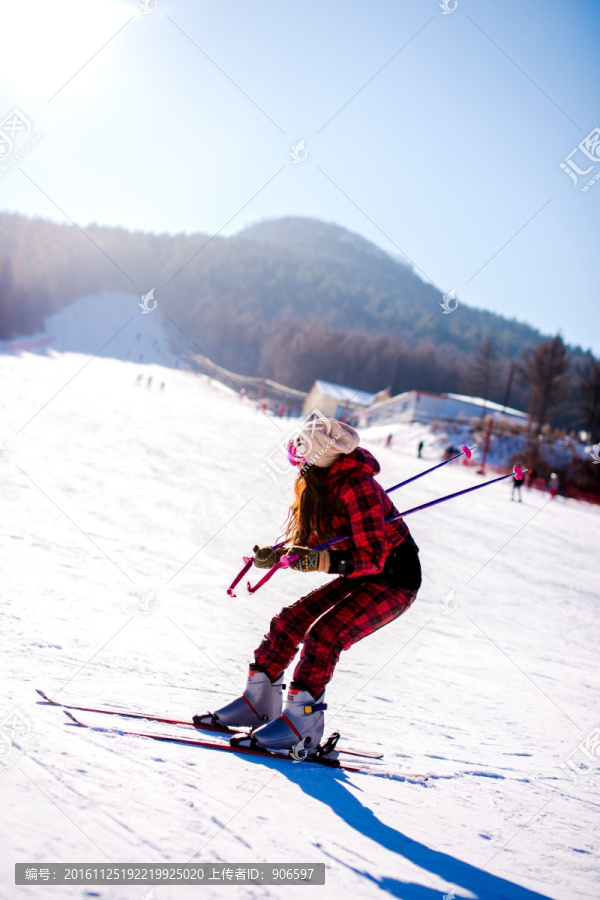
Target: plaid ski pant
328 620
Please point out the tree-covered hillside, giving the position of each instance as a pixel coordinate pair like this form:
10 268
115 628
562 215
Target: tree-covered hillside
292 299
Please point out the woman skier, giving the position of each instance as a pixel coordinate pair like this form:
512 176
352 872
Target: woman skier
378 576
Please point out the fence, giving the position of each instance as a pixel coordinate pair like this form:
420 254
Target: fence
263 390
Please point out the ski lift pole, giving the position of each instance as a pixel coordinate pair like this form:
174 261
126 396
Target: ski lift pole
486 446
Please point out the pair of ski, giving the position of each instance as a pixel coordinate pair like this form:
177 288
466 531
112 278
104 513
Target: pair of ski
216 745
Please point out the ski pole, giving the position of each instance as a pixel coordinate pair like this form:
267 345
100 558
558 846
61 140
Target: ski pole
246 568
240 575
517 472
464 451
285 561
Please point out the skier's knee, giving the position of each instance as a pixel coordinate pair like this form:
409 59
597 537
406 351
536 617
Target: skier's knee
317 637
282 621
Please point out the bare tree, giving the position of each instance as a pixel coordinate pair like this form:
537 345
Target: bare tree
482 374
589 386
8 303
547 366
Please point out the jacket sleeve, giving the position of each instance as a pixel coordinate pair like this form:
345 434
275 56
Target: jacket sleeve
364 507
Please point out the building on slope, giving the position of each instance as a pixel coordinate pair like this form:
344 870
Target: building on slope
423 406
340 402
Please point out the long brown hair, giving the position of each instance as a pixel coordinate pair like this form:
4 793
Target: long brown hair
312 508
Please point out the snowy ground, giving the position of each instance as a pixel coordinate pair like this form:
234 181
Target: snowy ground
109 324
489 683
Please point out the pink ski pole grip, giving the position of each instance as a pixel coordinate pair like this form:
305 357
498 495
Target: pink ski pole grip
287 560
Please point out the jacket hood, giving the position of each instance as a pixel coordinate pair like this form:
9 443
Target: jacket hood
359 462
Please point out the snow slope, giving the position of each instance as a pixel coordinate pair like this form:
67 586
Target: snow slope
109 324
126 512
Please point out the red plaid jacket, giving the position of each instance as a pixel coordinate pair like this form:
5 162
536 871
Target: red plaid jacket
363 507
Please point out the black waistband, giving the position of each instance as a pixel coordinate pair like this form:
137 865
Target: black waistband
402 567
407 546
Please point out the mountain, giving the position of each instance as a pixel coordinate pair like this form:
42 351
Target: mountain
292 299
311 234
381 293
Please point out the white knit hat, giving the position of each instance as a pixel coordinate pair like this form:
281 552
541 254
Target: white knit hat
322 441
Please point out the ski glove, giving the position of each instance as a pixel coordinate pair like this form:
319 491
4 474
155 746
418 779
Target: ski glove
266 557
309 560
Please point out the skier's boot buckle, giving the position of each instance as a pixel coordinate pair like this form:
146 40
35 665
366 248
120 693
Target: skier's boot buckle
207 719
244 739
326 752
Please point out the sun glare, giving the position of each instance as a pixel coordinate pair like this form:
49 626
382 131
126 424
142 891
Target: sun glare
44 44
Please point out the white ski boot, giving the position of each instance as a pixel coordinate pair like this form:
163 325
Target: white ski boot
261 702
298 729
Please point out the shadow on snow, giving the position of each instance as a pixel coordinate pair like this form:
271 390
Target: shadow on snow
330 788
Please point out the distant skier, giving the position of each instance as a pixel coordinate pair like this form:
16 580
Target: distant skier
420 448
553 484
516 487
378 576
389 439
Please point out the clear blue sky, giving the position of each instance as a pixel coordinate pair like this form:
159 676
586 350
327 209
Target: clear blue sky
184 121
